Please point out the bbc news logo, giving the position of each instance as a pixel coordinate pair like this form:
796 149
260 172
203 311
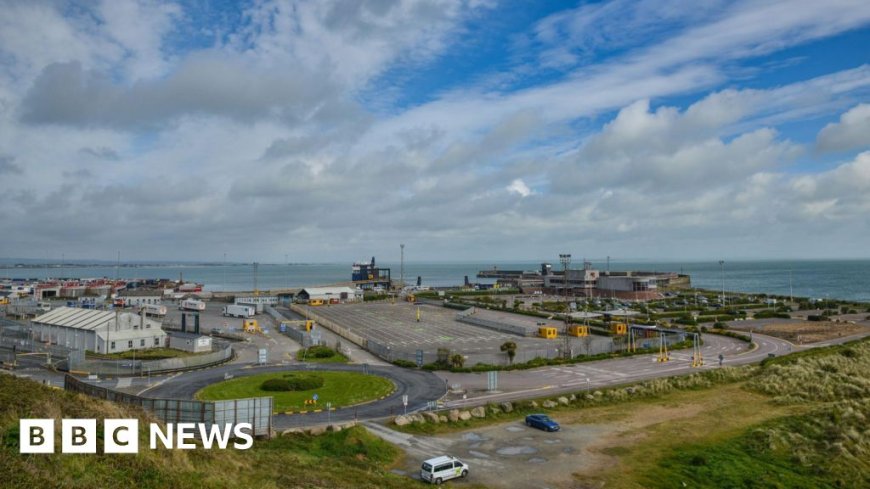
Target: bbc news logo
122 436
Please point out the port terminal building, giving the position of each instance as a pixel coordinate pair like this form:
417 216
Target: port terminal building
589 282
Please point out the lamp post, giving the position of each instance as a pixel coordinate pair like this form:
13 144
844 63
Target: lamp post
565 260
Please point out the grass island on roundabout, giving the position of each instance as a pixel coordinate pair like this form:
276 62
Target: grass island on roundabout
290 389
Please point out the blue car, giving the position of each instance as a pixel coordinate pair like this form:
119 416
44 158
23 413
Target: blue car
541 422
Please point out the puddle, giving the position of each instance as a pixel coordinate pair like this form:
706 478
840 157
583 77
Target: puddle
568 450
537 460
472 437
477 454
552 442
475 445
515 429
523 450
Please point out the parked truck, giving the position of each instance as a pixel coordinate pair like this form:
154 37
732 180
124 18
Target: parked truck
153 310
239 310
192 305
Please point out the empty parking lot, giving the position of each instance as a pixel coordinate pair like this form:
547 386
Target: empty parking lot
396 326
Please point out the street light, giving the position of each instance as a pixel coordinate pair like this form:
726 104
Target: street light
565 260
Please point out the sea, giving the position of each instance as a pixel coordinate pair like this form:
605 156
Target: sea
834 279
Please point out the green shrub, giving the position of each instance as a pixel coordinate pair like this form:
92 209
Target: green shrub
404 363
772 314
320 351
293 382
276 385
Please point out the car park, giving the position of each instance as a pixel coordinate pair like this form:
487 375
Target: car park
541 422
439 469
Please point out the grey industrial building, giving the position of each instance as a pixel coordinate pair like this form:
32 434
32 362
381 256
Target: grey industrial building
141 297
98 331
190 342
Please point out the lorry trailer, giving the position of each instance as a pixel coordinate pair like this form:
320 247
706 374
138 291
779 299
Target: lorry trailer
192 305
239 310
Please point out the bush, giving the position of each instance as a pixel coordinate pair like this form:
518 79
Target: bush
404 363
816 317
772 314
276 385
320 351
293 382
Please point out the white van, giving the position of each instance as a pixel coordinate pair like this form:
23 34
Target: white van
439 469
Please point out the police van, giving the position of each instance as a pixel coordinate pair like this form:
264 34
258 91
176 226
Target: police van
439 469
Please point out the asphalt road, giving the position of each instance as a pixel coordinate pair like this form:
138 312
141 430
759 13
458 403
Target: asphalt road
419 386
548 381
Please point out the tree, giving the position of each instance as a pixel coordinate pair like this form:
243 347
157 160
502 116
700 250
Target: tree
457 360
510 348
442 356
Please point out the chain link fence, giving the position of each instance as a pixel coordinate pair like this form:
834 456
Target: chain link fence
588 345
17 338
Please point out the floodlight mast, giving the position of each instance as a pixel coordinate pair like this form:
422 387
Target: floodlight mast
565 260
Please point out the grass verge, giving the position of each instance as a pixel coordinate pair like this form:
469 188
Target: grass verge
350 458
320 354
149 354
340 388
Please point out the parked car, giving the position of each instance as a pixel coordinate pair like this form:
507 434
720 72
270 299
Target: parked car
439 469
541 422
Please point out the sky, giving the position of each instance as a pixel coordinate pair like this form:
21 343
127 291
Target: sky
334 130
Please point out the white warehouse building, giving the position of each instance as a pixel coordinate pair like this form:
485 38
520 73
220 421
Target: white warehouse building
342 294
98 331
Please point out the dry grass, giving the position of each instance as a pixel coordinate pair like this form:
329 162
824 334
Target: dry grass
351 458
640 433
805 332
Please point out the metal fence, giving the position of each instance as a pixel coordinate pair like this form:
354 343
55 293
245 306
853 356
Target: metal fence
19 338
469 318
304 338
589 345
332 326
257 411
16 338
148 367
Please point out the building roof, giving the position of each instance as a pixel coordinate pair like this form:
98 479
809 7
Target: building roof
71 317
91 319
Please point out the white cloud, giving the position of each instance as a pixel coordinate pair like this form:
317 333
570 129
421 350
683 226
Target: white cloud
128 141
519 187
851 132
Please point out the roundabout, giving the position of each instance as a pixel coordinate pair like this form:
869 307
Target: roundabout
420 387
298 391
